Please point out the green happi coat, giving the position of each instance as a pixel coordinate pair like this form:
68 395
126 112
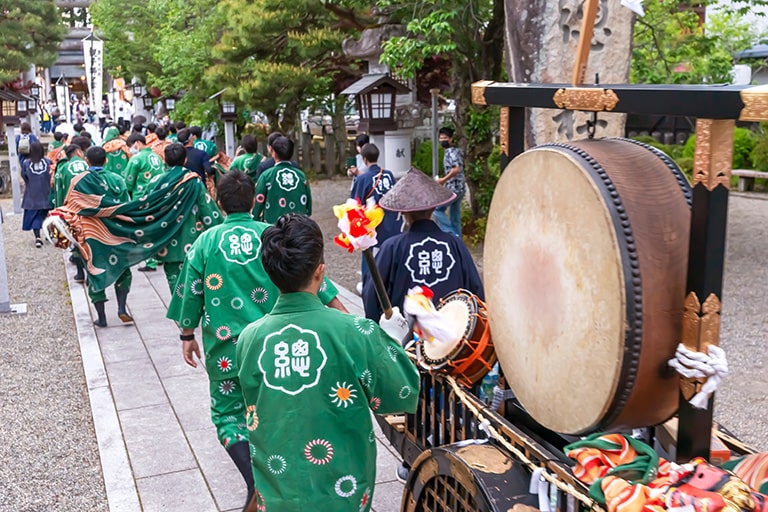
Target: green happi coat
310 377
248 163
66 170
206 145
143 167
114 236
282 189
224 283
117 151
203 214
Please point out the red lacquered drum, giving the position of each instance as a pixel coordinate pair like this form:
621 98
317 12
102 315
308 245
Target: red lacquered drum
585 265
469 357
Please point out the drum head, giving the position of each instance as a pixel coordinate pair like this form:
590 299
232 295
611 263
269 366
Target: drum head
555 290
458 310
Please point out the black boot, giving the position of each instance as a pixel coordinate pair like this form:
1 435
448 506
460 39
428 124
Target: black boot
80 275
122 298
102 320
240 454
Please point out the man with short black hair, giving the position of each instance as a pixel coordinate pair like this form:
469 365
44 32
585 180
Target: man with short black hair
304 357
223 282
207 146
69 166
373 183
448 217
160 143
283 188
268 162
249 161
143 167
202 214
116 192
197 160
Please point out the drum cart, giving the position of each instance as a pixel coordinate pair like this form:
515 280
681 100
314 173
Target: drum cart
466 457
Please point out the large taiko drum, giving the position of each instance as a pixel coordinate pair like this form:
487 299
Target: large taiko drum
585 265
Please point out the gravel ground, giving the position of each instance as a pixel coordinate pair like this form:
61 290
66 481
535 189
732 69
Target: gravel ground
48 454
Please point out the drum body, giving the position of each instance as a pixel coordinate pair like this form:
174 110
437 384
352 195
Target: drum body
470 357
585 265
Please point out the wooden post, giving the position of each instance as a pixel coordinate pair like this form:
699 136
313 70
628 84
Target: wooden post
706 255
585 41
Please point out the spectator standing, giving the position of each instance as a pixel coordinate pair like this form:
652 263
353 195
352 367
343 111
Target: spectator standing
448 217
36 173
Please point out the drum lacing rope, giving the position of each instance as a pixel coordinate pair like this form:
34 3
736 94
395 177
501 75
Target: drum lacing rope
692 364
486 427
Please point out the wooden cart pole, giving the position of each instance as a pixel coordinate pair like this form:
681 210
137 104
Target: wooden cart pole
706 255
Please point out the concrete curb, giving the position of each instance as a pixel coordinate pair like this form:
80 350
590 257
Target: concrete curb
122 494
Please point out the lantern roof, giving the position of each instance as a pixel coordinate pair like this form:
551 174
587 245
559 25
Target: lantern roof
371 82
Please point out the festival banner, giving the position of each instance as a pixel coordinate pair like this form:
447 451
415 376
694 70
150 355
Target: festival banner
93 48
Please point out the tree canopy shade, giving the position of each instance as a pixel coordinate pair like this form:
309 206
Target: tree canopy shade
30 33
129 29
277 55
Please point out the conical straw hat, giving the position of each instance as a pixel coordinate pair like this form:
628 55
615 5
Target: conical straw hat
416 192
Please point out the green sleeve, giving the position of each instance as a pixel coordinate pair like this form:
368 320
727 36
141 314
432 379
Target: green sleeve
188 309
388 377
309 199
261 188
327 292
237 164
130 174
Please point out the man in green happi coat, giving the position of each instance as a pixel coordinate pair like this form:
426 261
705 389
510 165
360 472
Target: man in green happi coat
116 193
283 188
322 372
118 153
202 144
143 167
200 214
249 161
68 167
223 283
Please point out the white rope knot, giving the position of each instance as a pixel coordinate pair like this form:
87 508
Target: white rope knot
711 366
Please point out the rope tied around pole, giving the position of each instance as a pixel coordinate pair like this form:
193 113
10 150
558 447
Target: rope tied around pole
691 364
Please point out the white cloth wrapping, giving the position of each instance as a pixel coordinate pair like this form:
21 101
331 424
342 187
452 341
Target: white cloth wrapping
691 364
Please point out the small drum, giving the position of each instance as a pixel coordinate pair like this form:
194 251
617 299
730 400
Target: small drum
585 266
470 357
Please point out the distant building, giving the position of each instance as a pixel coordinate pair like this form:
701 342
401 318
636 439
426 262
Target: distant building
71 63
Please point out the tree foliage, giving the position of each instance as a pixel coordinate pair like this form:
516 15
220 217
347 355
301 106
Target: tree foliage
278 55
129 29
470 34
671 45
31 33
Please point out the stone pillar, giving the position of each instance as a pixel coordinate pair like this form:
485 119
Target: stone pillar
541 42
398 151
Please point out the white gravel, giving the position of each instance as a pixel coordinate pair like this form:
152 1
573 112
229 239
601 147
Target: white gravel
48 453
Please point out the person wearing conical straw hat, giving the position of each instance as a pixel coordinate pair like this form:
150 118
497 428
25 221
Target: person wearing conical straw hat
423 255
